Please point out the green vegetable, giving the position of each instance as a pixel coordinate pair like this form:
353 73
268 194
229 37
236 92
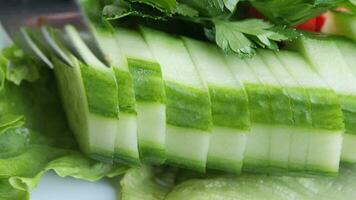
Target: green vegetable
229 107
29 150
94 91
147 183
291 12
258 140
241 36
188 107
325 113
268 187
149 93
235 36
126 144
301 111
335 71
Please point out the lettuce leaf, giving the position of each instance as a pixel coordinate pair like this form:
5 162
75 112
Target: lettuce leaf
8 192
18 66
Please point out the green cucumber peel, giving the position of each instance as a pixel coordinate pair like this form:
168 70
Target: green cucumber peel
258 97
148 84
325 105
228 98
300 102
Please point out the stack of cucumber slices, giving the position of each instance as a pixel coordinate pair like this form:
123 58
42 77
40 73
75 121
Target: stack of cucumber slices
174 100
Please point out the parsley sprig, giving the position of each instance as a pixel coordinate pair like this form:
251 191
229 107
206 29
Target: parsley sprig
218 17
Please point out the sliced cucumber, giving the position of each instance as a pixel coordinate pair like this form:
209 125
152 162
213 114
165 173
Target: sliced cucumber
126 147
149 93
258 140
229 107
188 111
348 51
282 113
325 110
328 62
97 83
93 130
301 110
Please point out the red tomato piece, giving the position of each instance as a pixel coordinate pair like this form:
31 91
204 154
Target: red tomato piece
309 25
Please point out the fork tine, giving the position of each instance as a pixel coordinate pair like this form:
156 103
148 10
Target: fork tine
50 36
35 48
4 38
54 13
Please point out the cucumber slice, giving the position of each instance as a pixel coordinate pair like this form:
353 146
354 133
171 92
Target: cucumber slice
331 66
300 102
325 108
326 111
258 140
340 23
126 145
188 110
92 129
229 107
301 110
282 113
100 90
280 102
149 93
348 51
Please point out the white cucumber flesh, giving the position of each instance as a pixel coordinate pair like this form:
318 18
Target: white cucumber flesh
257 151
126 147
348 148
100 129
152 131
187 147
226 149
324 151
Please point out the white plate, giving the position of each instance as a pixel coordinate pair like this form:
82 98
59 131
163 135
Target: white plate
55 188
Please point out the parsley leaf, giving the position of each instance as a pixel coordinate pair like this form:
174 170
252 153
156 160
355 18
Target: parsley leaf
212 7
122 9
187 11
243 36
293 12
163 5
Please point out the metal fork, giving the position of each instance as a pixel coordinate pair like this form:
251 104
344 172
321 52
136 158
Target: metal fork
23 18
